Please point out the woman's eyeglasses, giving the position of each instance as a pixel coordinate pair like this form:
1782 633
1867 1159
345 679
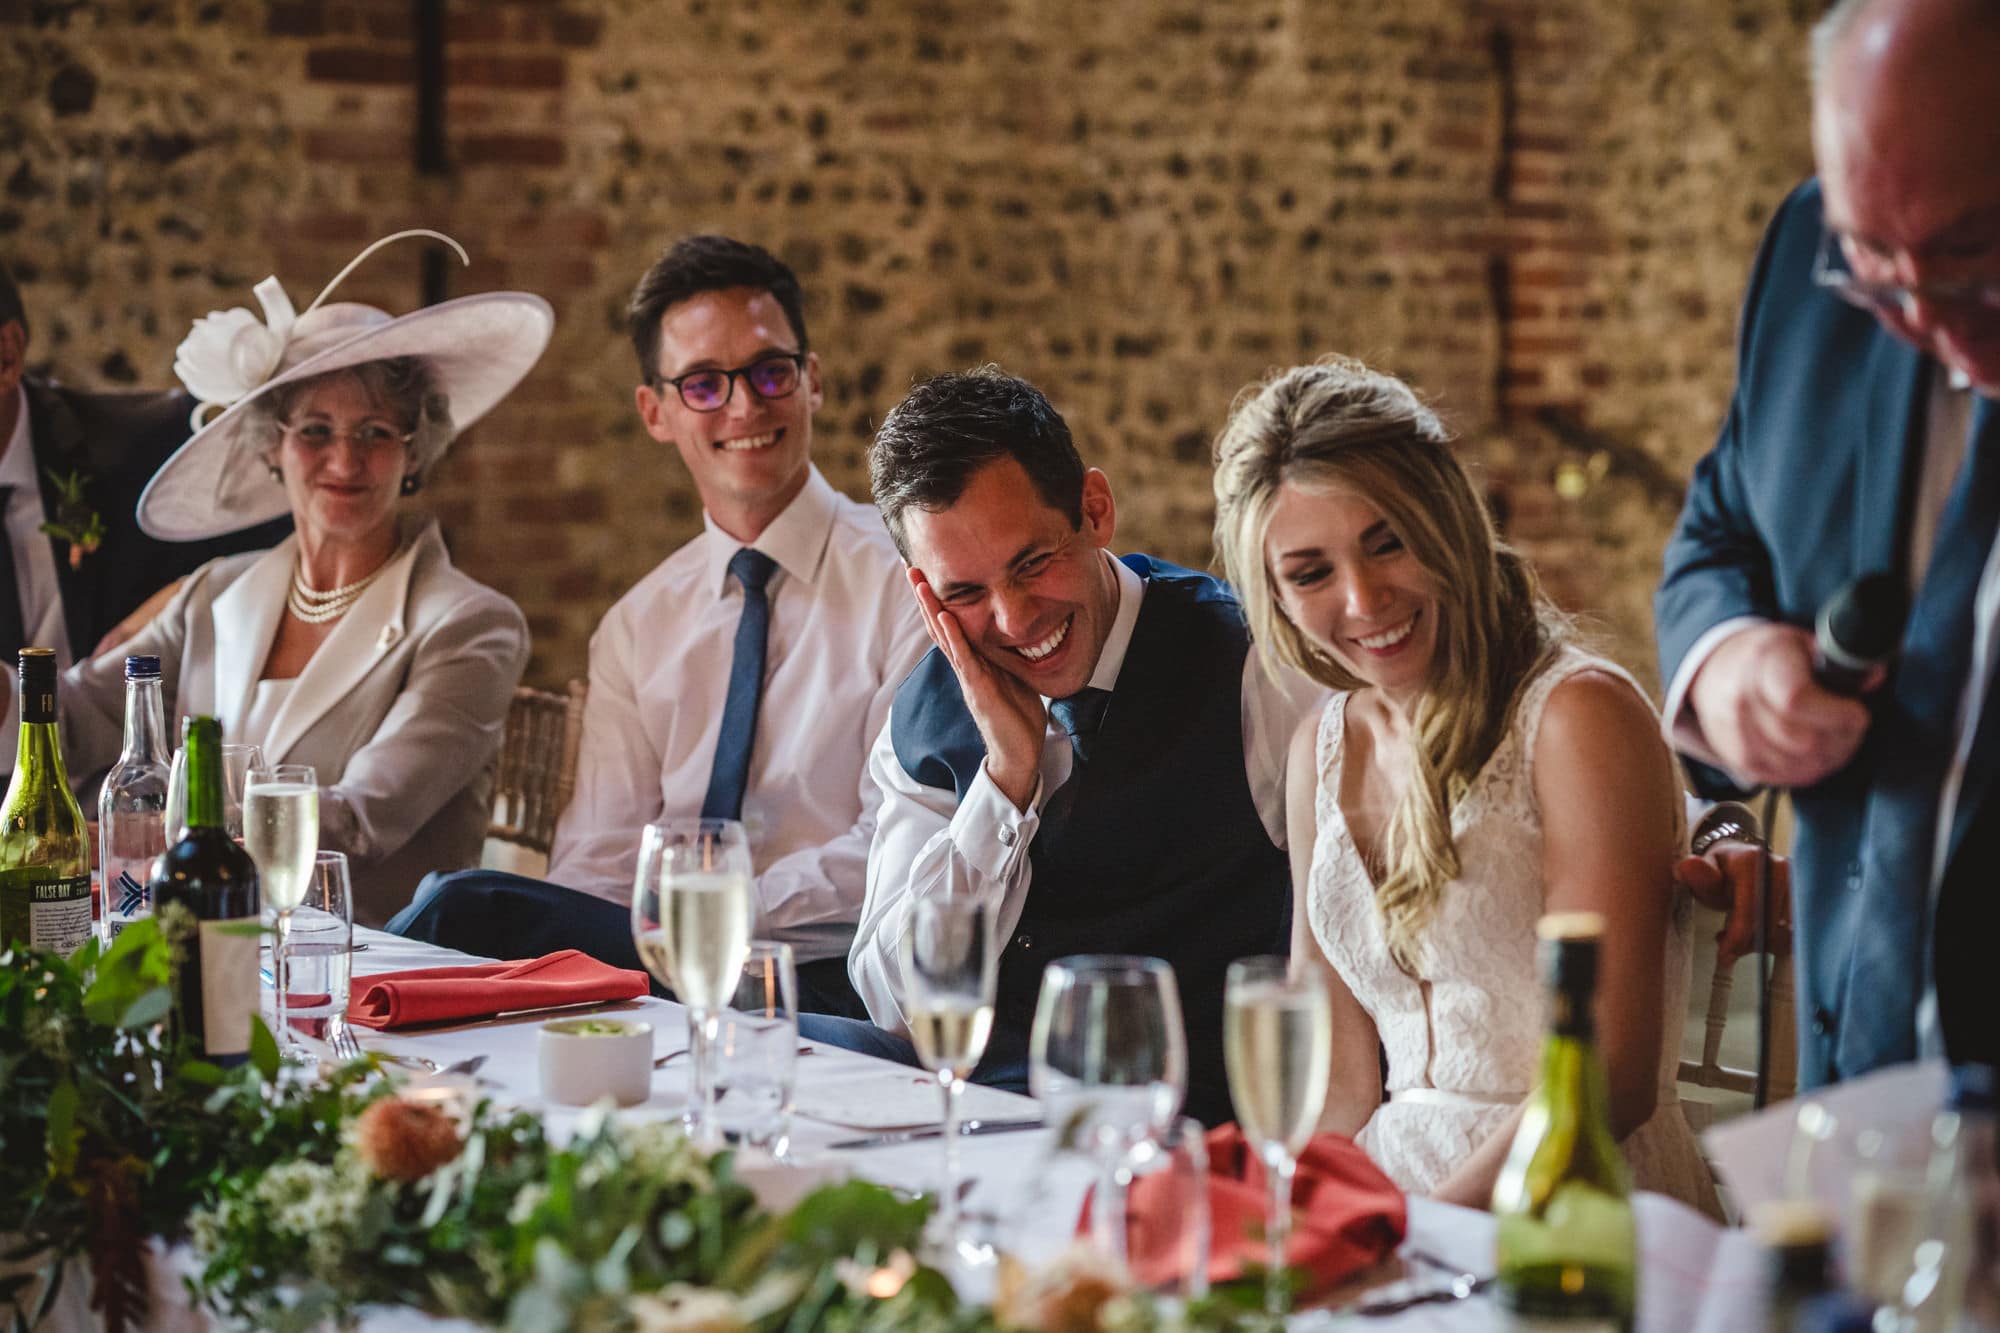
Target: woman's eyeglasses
319 434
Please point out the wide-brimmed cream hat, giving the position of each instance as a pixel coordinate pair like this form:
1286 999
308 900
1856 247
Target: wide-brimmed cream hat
479 346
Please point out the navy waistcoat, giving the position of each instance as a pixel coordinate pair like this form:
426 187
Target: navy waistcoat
1163 852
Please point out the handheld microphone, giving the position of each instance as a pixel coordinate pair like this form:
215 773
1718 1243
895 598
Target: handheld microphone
1857 631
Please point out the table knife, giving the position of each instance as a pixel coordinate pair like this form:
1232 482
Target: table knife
937 1132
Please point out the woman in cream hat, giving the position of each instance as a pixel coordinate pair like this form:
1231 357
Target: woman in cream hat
354 645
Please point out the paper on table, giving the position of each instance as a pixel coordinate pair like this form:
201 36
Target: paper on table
1693 1274
1750 1152
866 1100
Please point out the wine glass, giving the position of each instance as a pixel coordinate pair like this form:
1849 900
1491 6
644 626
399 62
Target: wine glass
280 821
1277 1029
949 966
237 761
691 919
1108 1059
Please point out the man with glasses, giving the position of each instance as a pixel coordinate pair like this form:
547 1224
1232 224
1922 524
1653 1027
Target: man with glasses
1864 437
746 675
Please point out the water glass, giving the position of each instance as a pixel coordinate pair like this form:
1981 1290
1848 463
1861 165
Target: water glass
237 761
1167 1224
757 1049
317 962
691 917
1107 1059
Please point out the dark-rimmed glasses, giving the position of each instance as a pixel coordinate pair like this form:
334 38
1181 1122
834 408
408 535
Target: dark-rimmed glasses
1833 271
369 435
774 375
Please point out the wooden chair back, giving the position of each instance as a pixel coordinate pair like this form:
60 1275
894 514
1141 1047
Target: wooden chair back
1709 1071
537 771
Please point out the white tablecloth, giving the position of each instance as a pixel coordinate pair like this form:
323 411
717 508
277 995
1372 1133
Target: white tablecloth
1695 1277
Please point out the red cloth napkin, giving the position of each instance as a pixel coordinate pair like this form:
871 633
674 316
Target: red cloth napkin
1346 1215
455 994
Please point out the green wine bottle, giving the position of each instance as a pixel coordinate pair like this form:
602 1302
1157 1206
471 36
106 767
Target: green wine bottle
205 890
1566 1247
44 849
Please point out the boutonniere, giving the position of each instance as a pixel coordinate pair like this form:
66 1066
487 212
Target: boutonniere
75 521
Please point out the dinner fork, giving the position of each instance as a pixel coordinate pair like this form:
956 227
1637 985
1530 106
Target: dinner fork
346 1049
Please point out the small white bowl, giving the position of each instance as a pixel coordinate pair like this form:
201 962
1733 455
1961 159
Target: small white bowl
584 1060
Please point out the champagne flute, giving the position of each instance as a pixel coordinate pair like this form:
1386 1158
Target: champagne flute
1277 1029
691 918
1108 1059
281 832
949 970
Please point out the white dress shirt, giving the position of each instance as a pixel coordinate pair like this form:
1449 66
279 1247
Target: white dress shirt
1947 440
844 631
42 620
928 842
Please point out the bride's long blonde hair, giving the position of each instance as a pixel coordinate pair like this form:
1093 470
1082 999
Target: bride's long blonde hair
1338 423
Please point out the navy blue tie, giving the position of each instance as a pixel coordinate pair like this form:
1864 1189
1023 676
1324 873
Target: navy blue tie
1079 716
730 774
1916 736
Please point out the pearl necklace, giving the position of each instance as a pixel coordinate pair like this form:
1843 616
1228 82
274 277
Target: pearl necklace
315 607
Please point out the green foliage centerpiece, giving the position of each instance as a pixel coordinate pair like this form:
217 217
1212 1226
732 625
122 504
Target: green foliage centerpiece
302 1201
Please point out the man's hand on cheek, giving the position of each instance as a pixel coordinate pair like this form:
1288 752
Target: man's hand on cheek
1011 717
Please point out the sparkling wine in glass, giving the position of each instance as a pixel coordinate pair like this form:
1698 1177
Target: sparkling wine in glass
1108 1061
692 913
949 970
281 833
1277 1032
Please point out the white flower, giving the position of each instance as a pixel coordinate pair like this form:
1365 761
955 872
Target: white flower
685 1309
228 353
526 1200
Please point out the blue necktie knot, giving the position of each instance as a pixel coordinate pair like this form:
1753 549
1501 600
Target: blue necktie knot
1079 716
752 568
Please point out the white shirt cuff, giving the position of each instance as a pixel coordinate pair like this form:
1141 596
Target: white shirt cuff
989 833
1677 720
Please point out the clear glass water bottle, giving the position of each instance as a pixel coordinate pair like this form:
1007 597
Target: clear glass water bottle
131 809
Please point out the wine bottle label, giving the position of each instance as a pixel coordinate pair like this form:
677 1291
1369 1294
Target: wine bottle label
114 926
126 895
56 912
228 984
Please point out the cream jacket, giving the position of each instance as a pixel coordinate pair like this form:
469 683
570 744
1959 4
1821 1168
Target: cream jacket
401 710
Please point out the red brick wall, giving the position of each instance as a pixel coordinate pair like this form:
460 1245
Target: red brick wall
1540 210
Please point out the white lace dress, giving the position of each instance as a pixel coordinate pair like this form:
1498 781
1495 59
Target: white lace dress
1464 1035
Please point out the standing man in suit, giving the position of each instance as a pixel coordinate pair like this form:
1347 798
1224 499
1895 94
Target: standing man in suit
76 462
1864 436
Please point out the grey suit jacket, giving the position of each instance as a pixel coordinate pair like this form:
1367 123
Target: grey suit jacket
401 710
